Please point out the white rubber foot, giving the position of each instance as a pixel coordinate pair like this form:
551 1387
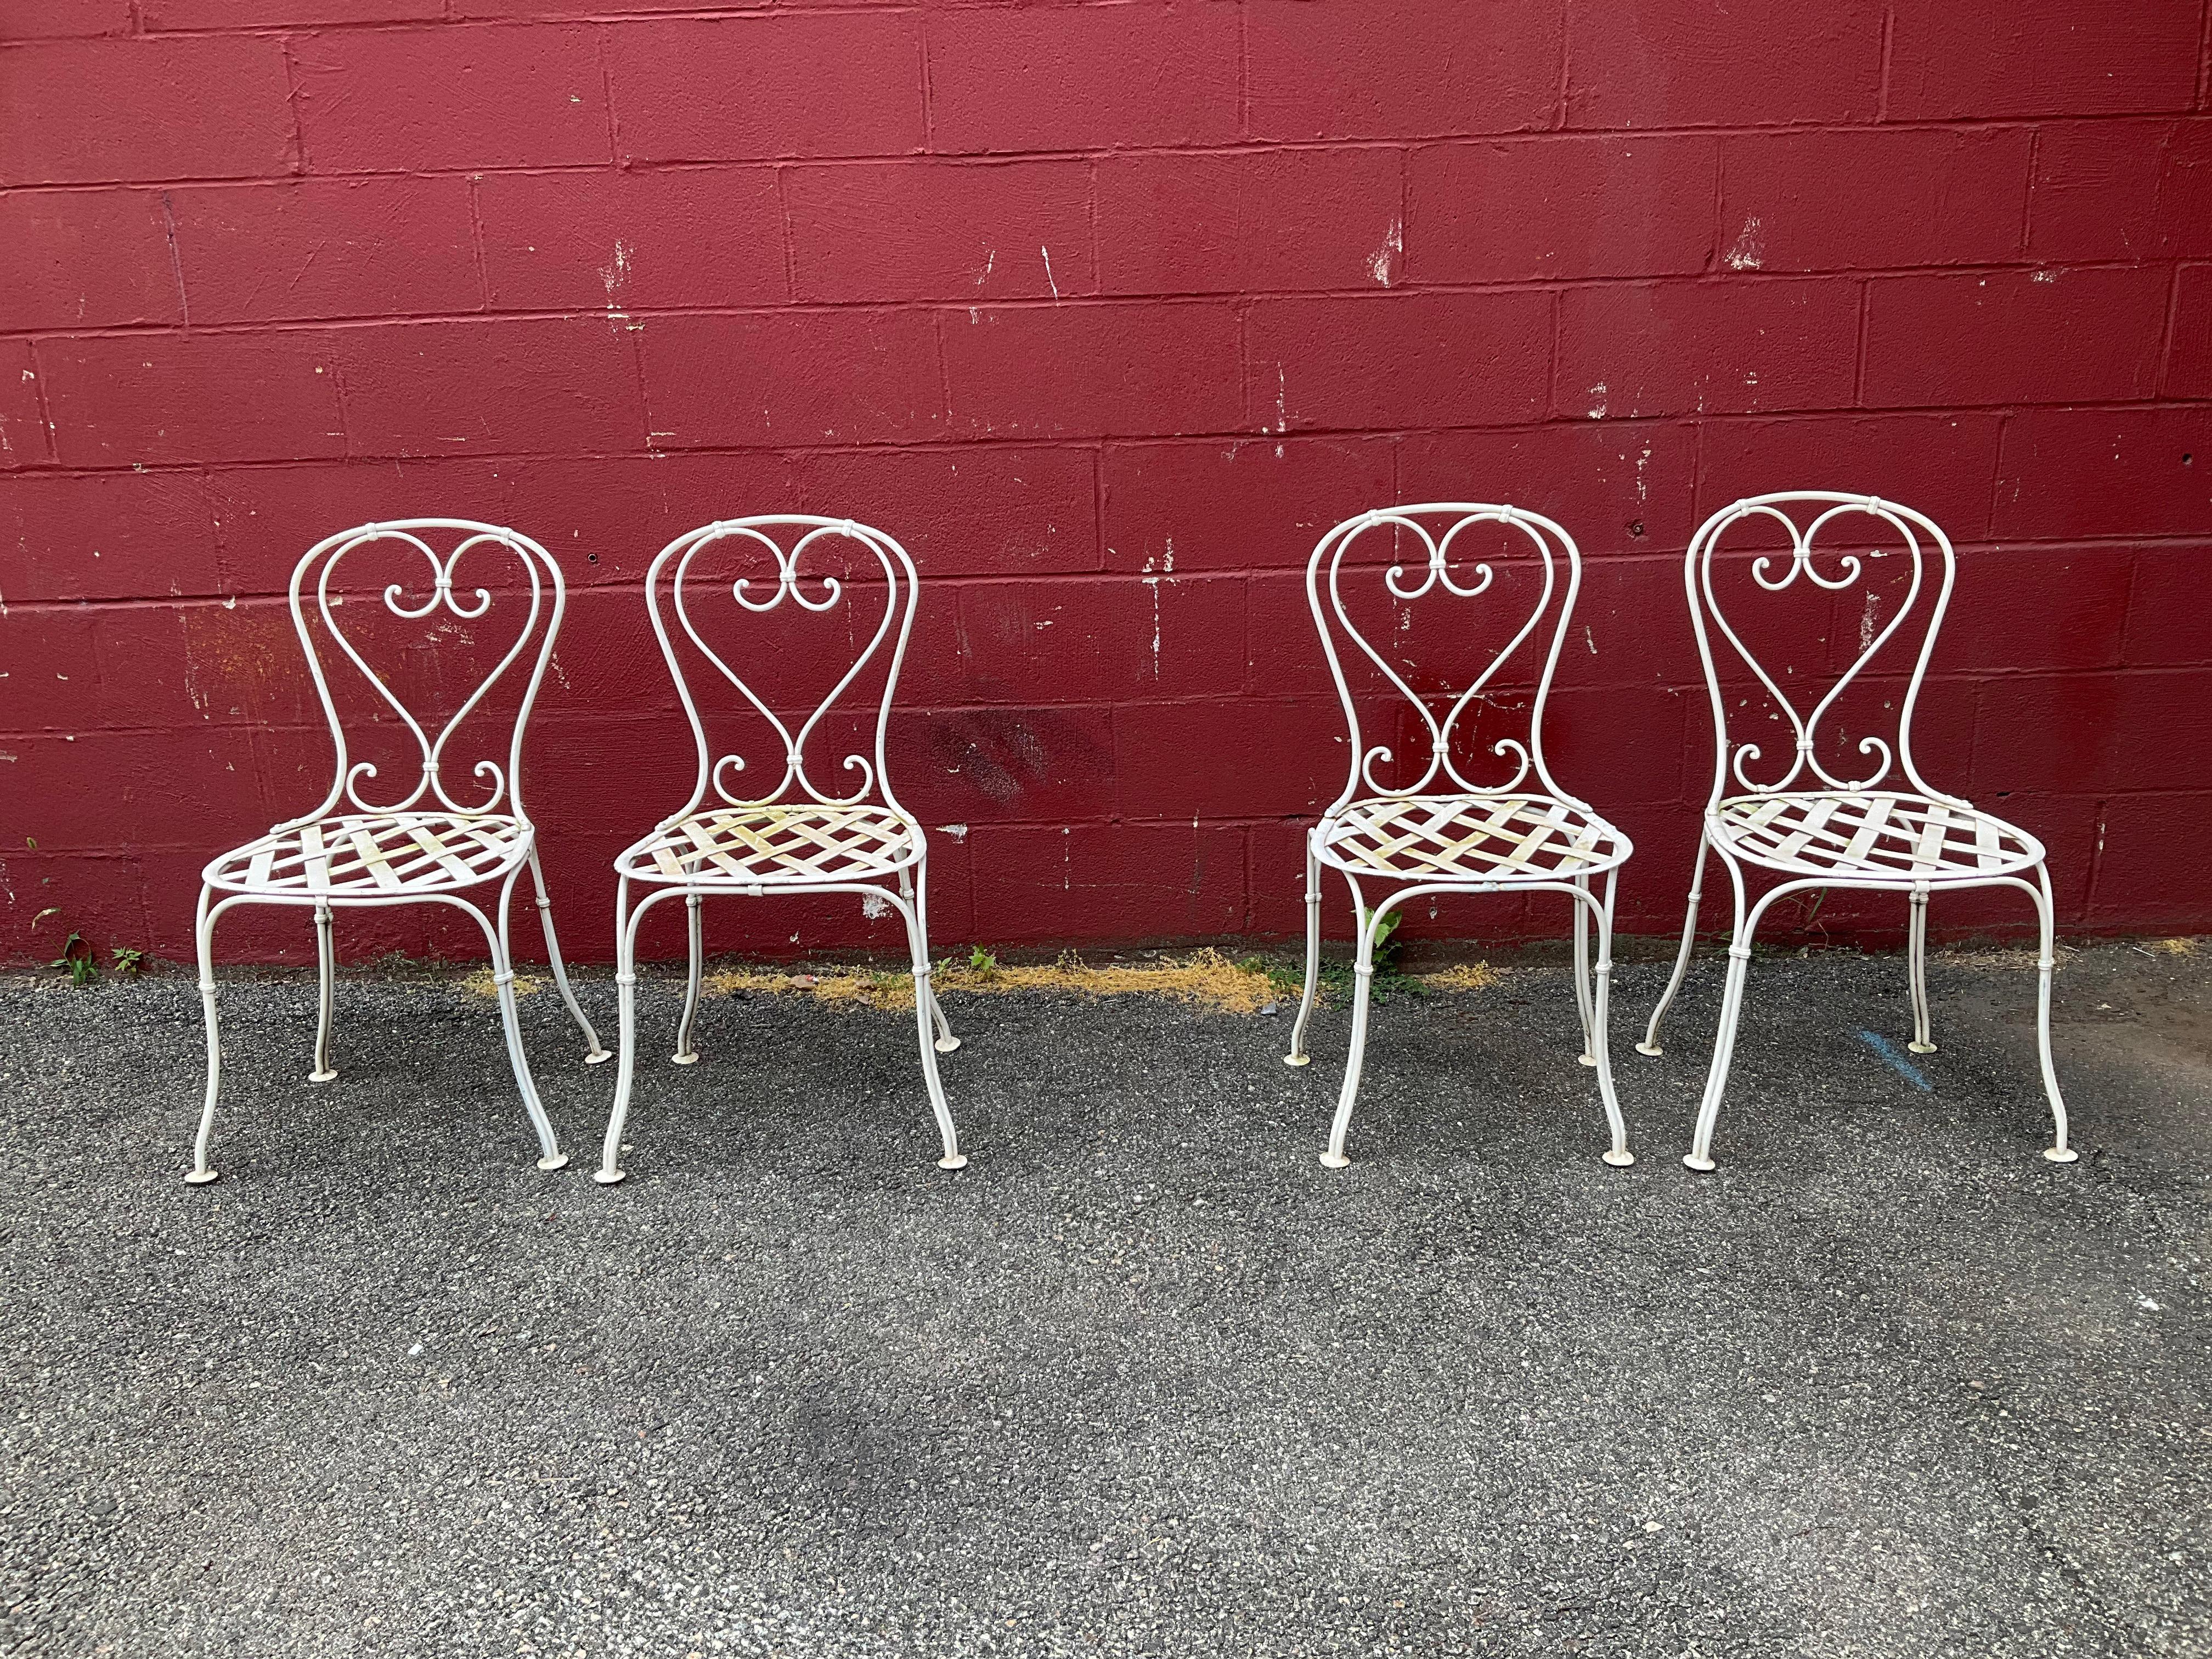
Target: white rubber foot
322 1077
201 1178
957 1161
609 1177
1920 1048
1335 1160
1619 1160
1587 1060
946 1045
598 1057
1297 1060
2061 1154
683 1059
1705 1165
558 1161
1649 1049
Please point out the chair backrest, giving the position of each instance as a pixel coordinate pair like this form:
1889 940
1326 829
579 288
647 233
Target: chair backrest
1430 533
1802 516
319 571
784 541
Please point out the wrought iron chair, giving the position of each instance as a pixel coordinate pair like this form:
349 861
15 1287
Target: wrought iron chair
794 838
1525 834
1842 832
426 847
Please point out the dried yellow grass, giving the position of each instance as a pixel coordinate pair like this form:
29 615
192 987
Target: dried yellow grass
1206 979
1466 976
2174 947
481 983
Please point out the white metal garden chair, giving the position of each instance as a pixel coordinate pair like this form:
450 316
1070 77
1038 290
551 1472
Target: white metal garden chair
1835 832
428 847
1524 834
794 837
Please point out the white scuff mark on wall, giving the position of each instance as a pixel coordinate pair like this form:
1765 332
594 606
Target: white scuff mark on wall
615 275
1867 629
1282 404
990 258
875 905
1153 582
1049 283
958 831
2045 276
1589 639
1597 409
1642 478
1750 247
1384 265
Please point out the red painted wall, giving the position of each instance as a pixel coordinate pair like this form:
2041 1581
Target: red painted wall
1106 310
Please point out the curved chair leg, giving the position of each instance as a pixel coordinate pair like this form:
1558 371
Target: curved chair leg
685 1055
1700 1155
610 1170
550 1156
599 1054
915 885
1584 1004
924 998
1650 1043
2058 1151
1298 1056
1600 1056
1917 957
1362 986
327 964
204 934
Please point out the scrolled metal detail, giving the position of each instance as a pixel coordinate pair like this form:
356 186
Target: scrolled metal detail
324 560
1436 574
791 582
1917 533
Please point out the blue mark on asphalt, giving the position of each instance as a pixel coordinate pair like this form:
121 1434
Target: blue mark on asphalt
1898 1063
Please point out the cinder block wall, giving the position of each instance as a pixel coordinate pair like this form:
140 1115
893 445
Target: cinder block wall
1106 310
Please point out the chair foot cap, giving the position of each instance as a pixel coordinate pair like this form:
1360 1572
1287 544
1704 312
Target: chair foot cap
683 1059
609 1177
200 1177
1649 1049
2061 1154
1335 1160
1705 1165
1920 1048
1297 1060
598 1057
1619 1160
946 1045
322 1077
957 1161
1586 1060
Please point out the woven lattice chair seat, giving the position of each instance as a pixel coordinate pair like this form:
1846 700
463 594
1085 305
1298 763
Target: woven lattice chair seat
364 855
760 846
1871 834
1477 838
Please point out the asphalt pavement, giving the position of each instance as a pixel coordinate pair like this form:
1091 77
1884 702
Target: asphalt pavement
1144 1378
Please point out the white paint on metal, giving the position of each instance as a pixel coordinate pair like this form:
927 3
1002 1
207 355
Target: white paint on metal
793 837
1444 834
1829 831
425 846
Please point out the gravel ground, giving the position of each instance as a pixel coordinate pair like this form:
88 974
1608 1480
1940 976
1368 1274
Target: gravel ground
1144 1379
